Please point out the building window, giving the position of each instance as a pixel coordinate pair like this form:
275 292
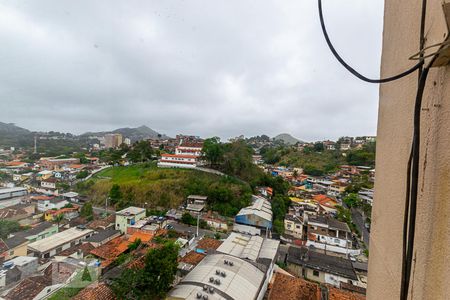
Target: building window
316 273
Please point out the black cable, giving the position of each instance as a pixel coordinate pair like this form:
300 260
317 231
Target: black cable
414 175
406 261
349 68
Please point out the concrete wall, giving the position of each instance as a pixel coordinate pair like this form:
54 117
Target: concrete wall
432 260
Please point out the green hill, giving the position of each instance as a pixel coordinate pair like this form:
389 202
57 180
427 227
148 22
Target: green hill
166 188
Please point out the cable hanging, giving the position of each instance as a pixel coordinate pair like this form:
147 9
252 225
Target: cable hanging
349 68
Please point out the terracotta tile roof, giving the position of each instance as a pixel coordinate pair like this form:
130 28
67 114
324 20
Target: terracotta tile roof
96 291
337 294
209 244
286 287
76 166
28 288
111 249
325 201
353 288
192 258
138 263
143 236
62 210
102 223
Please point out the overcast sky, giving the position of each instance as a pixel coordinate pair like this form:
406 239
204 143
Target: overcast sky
201 67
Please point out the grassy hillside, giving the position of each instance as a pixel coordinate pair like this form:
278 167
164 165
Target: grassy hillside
145 183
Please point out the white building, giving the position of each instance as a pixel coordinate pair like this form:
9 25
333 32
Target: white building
59 242
241 268
49 183
331 235
48 204
128 217
12 192
186 156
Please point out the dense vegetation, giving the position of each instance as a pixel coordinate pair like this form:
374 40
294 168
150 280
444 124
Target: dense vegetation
165 188
315 160
154 280
234 159
7 227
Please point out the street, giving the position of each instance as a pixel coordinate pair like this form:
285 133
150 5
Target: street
359 222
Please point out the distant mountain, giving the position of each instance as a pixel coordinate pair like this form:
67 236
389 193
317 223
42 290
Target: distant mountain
11 128
134 134
13 136
287 139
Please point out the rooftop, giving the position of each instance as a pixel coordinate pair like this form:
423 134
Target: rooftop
22 260
96 291
260 207
12 190
241 280
19 238
287 287
132 210
197 197
102 235
337 294
326 263
249 247
331 223
58 239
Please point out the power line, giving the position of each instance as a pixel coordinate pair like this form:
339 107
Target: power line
349 68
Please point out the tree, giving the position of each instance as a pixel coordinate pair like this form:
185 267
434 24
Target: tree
134 245
58 218
7 227
187 218
82 174
115 194
213 151
318 147
141 152
352 200
87 211
154 280
68 205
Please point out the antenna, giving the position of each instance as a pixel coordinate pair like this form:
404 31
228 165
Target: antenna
35 144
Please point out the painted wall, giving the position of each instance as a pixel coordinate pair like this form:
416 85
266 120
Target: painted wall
431 252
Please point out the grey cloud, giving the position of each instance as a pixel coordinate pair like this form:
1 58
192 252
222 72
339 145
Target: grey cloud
202 67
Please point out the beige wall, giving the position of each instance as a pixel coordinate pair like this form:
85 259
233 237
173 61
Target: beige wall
432 252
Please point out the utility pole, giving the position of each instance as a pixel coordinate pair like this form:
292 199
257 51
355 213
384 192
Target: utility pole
35 144
198 221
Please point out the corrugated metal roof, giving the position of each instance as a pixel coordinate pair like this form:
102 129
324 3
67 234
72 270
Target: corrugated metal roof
241 281
260 207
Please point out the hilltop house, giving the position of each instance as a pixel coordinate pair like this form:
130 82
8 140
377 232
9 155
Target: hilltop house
186 155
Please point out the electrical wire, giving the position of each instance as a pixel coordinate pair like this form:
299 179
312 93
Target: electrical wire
349 68
412 183
406 262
